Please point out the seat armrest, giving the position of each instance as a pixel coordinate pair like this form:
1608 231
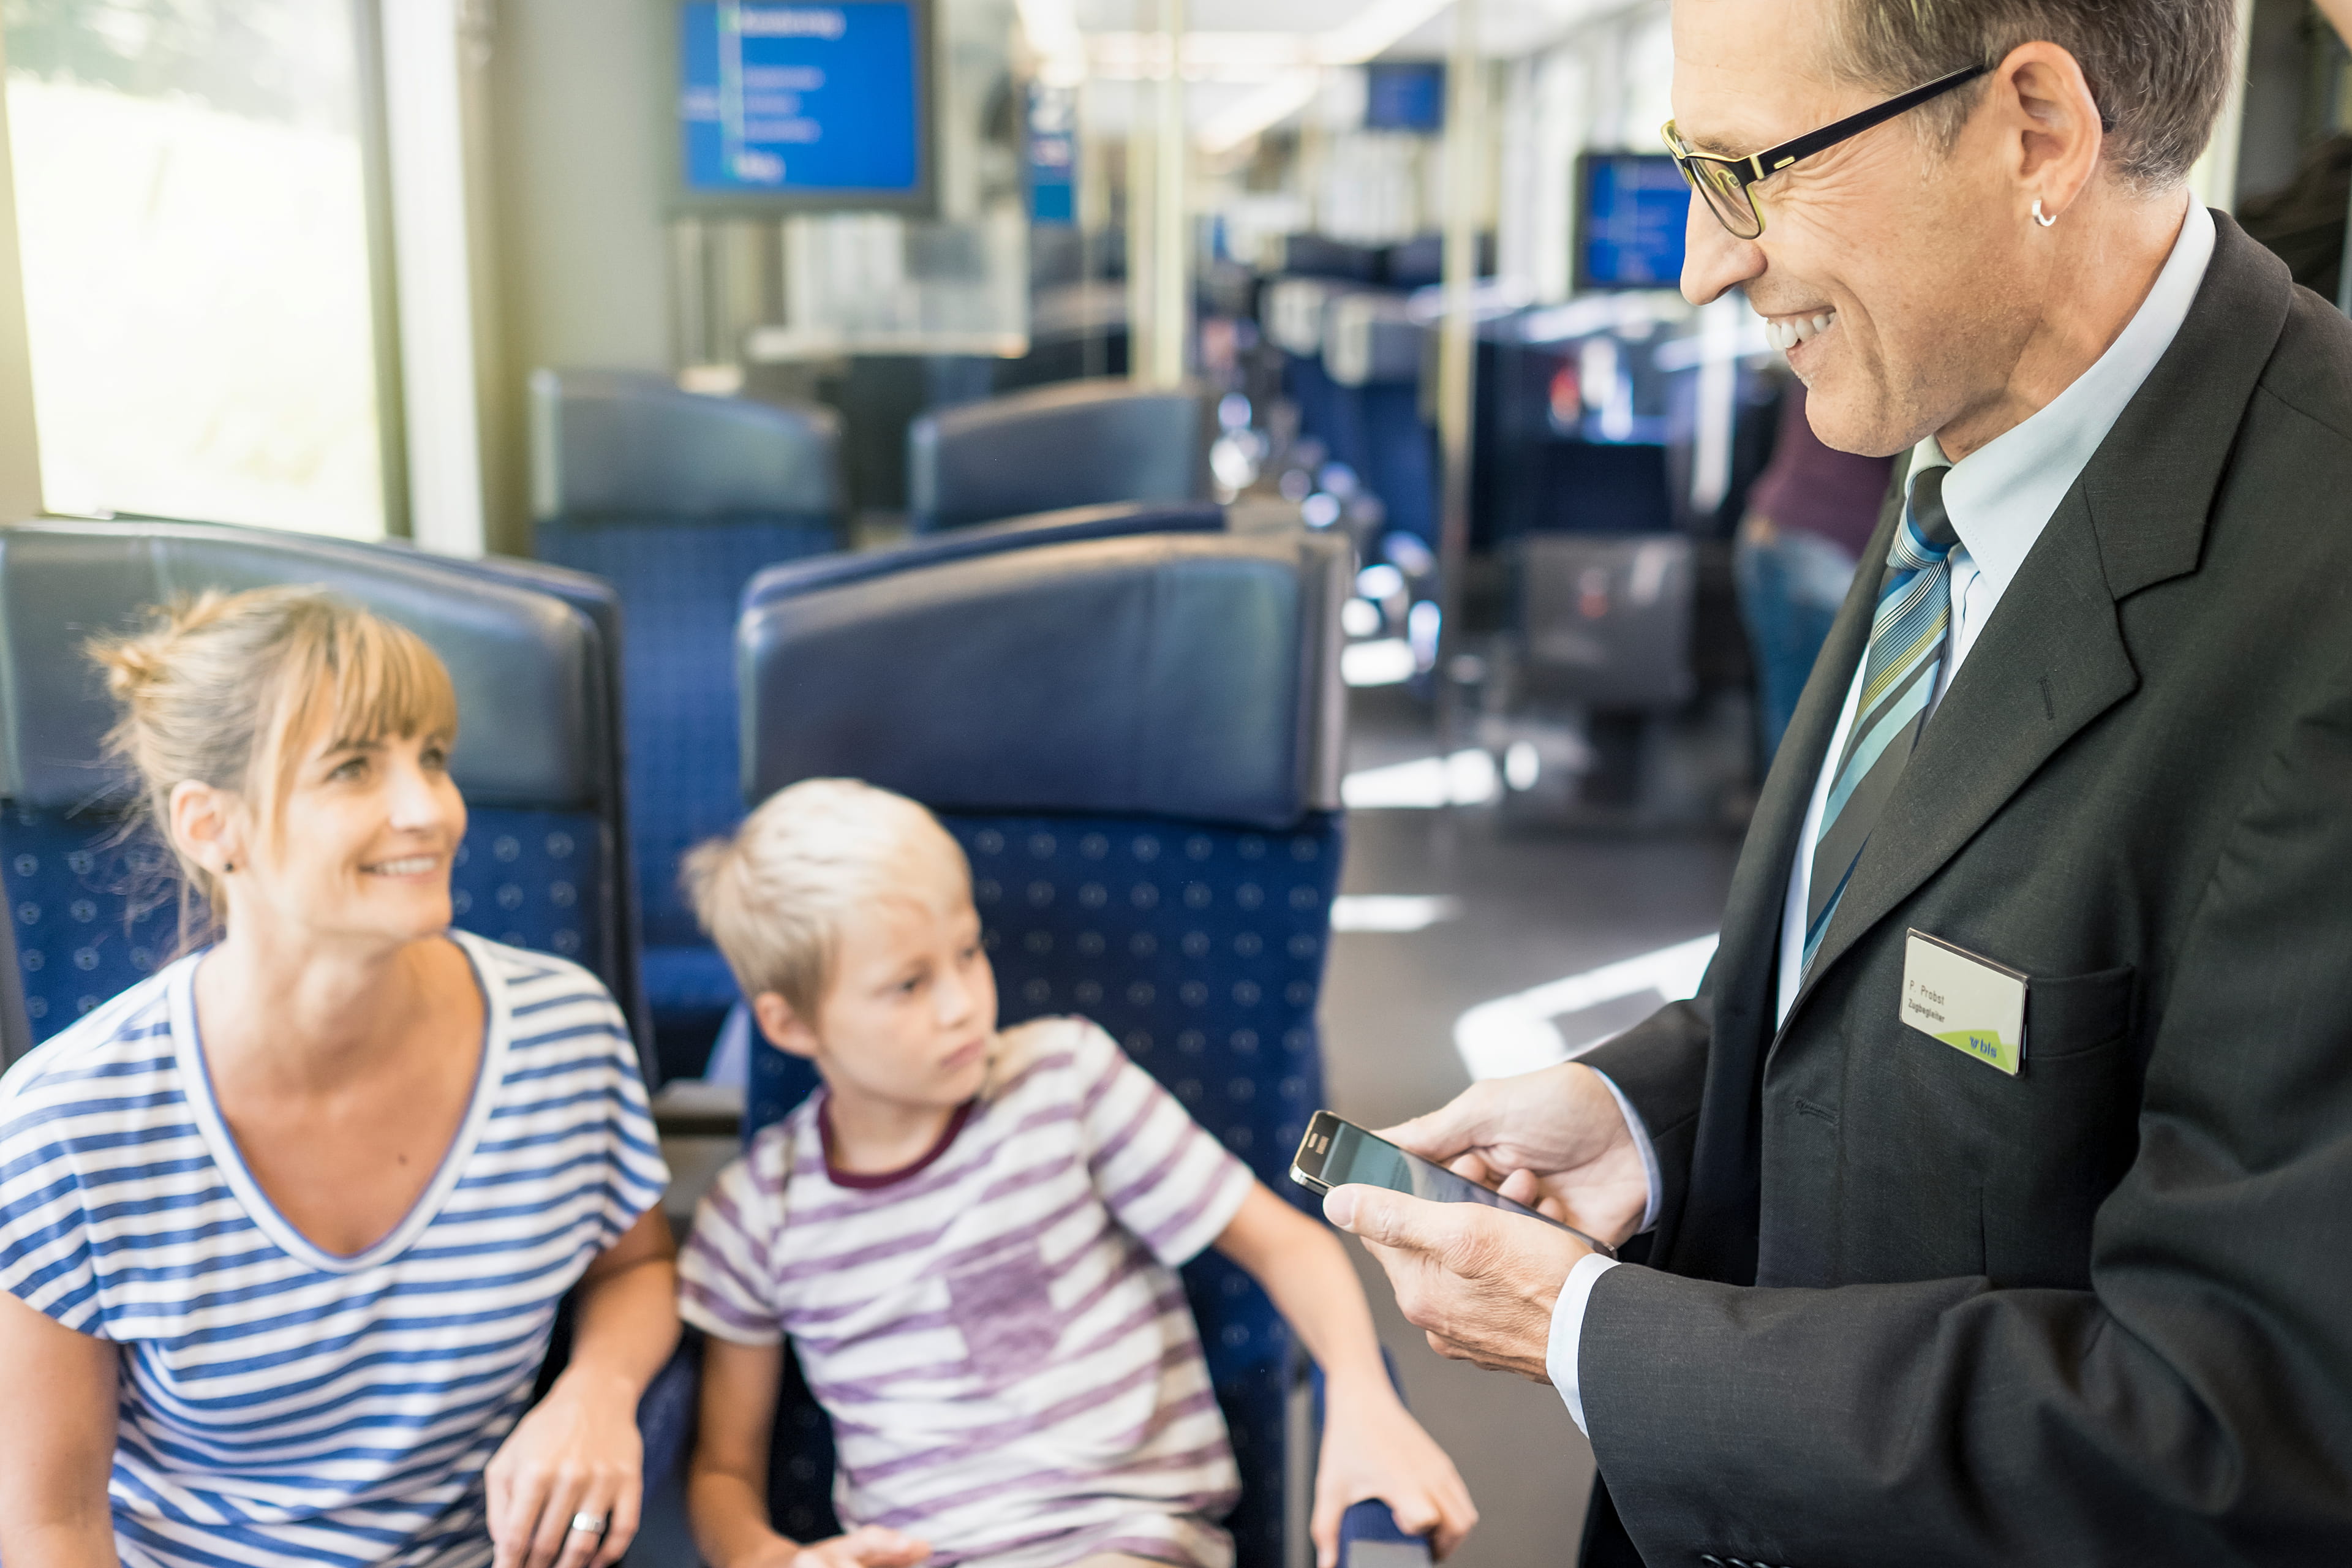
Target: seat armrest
1370 1536
667 1413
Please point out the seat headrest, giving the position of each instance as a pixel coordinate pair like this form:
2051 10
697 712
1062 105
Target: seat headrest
1069 524
1079 443
617 443
524 663
1178 675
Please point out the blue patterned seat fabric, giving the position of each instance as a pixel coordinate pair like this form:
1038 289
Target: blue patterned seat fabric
530 878
1201 949
677 499
679 581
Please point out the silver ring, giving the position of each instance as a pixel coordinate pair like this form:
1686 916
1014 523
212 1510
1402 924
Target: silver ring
588 1523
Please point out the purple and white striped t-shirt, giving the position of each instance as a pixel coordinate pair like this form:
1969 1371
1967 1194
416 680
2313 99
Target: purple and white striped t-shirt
1008 1359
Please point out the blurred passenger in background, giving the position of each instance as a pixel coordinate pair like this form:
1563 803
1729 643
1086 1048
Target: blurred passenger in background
1809 518
287 1224
2303 222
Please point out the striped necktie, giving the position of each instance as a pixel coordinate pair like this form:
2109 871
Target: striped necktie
1898 682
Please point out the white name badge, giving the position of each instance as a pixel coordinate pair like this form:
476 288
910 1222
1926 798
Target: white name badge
1970 1004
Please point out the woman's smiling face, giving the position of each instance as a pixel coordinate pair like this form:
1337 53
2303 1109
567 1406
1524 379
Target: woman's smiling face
365 841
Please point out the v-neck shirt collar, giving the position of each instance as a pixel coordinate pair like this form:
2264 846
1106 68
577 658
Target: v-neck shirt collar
195 1077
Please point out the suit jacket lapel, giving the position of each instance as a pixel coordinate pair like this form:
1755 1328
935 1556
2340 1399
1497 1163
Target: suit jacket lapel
1718 1222
2053 657
1747 962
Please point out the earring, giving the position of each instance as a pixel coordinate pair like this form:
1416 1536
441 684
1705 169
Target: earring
228 867
2045 219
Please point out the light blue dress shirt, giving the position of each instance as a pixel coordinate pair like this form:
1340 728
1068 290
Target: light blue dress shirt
2000 497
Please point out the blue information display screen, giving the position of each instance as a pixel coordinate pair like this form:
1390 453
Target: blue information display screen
1404 97
1052 153
800 99
1630 234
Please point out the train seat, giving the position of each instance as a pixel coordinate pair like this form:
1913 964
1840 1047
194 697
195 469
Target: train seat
1079 443
677 499
728 1055
1137 741
545 857
1067 526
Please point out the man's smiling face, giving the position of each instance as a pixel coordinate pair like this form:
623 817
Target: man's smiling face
1894 274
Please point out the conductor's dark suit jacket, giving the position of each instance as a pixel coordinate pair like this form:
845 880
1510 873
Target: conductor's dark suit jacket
1904 1309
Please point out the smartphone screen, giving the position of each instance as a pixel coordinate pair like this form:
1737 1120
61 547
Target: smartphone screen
1336 1153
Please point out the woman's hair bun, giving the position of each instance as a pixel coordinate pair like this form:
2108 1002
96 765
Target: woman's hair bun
136 663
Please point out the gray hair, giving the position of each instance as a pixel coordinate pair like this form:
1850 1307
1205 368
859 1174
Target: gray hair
2160 69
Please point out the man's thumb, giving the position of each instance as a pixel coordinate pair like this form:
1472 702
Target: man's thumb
1375 1214
1339 1206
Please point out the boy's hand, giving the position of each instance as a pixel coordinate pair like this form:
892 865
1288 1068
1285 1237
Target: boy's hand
869 1546
1372 1448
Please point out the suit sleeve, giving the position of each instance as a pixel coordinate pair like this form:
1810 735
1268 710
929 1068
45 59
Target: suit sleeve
2194 1406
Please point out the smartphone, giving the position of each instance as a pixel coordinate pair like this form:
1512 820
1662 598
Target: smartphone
1337 1152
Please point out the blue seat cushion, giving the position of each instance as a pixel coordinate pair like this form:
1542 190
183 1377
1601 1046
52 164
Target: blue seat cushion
695 980
96 913
1201 949
679 581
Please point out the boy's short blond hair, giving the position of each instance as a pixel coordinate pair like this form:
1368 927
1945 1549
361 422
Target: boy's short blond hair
775 894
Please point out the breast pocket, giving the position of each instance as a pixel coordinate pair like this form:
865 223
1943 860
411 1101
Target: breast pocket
2062 1131
1002 1306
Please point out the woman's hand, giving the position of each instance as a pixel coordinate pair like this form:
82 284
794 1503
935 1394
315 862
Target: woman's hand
578 1452
1372 1448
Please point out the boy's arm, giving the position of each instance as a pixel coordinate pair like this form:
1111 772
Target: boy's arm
1372 1447
727 1484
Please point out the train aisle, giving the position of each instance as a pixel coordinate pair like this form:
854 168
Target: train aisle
1508 915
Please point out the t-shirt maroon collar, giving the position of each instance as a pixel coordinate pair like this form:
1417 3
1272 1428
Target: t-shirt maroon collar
866 1181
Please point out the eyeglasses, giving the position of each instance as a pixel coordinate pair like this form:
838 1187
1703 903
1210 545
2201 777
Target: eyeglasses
1724 181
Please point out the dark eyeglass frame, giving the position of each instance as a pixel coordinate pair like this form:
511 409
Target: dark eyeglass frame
1724 181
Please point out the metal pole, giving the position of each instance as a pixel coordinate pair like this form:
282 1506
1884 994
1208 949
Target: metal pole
1142 315
1172 236
1457 348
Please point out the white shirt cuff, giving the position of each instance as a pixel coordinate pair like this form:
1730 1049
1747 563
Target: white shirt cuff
1649 1161
1568 1331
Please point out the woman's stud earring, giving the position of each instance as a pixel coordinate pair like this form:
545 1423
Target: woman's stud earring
226 867
2043 218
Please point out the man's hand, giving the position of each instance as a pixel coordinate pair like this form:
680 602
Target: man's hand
1479 1281
1553 1139
1374 1448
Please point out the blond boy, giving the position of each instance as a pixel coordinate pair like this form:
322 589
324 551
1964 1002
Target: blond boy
970 1238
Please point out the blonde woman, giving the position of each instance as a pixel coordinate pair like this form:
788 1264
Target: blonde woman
284 1228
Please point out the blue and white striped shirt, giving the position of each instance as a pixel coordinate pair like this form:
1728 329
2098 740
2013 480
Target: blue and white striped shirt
283 1404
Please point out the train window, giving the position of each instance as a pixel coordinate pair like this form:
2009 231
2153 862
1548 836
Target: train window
192 208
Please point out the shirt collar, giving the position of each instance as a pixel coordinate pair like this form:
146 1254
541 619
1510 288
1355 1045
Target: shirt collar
2003 494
